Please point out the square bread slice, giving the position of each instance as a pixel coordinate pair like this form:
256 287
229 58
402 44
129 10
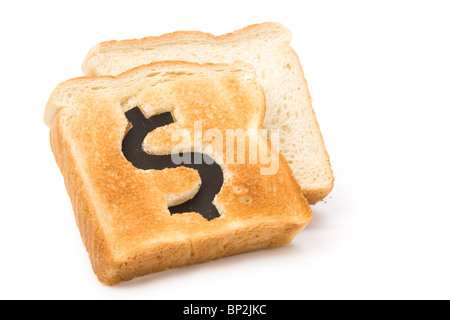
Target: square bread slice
122 211
266 47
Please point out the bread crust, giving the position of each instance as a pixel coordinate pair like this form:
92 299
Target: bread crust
314 195
120 210
88 70
94 239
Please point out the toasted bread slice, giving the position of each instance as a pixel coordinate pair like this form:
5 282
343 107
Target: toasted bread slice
123 211
266 47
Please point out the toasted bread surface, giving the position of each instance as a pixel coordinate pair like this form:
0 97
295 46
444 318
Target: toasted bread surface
122 212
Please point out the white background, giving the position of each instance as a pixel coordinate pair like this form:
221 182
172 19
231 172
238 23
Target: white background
379 75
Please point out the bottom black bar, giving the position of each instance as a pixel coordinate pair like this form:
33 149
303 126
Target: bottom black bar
233 309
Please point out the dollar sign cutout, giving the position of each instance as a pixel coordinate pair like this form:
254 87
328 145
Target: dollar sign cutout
210 172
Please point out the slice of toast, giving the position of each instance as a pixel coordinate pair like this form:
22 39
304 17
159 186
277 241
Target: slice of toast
266 47
123 209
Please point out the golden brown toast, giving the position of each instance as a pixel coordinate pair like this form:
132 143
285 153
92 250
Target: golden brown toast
123 211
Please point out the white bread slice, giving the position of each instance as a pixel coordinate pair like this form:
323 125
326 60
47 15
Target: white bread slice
266 47
121 211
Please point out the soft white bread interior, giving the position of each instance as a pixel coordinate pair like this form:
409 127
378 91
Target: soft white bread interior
122 211
278 70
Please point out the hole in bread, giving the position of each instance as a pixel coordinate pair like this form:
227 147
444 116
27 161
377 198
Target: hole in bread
124 101
153 74
288 66
272 187
97 88
246 199
179 73
239 190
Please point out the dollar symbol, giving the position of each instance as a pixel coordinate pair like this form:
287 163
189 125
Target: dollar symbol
210 172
